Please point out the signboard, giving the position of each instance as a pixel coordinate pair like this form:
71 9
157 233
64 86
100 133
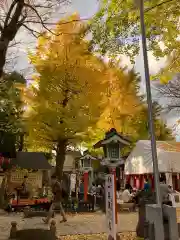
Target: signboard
72 182
34 178
110 207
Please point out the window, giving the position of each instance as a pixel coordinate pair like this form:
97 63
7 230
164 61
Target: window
87 163
114 151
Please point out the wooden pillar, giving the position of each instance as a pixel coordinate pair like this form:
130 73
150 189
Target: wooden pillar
152 182
150 179
127 179
176 183
138 181
134 181
113 171
142 181
85 185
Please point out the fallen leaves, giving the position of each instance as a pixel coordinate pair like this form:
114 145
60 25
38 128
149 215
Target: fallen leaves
123 236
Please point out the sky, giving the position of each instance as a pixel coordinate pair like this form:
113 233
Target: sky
86 8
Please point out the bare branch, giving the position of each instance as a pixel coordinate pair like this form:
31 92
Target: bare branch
32 31
38 15
55 23
19 13
171 92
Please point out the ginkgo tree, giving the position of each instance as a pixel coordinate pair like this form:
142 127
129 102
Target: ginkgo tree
64 99
125 110
74 93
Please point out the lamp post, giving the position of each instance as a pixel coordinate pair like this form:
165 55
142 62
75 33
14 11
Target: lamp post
149 102
159 230
86 166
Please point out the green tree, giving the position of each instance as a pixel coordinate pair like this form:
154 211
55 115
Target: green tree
116 27
11 113
11 118
169 72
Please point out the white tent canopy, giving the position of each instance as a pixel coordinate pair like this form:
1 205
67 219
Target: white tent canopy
140 159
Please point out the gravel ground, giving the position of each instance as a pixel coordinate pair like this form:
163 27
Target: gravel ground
82 224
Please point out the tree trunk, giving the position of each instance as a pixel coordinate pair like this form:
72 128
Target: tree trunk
5 183
2 193
60 157
3 51
13 21
21 143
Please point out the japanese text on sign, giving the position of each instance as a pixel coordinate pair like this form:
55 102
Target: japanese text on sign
110 206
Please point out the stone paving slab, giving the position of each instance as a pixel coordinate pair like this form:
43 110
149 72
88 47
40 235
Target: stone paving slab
76 224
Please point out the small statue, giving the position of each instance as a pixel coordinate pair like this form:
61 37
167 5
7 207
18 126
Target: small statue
13 230
53 227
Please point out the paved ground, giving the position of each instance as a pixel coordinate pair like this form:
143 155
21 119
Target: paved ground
76 224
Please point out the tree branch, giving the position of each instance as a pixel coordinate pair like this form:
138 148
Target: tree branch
62 23
11 28
38 15
32 31
9 13
157 5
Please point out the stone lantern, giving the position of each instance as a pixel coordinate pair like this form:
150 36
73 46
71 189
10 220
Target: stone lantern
112 145
86 167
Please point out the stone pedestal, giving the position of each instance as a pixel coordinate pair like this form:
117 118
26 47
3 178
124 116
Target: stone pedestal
170 223
166 229
143 199
33 234
155 219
